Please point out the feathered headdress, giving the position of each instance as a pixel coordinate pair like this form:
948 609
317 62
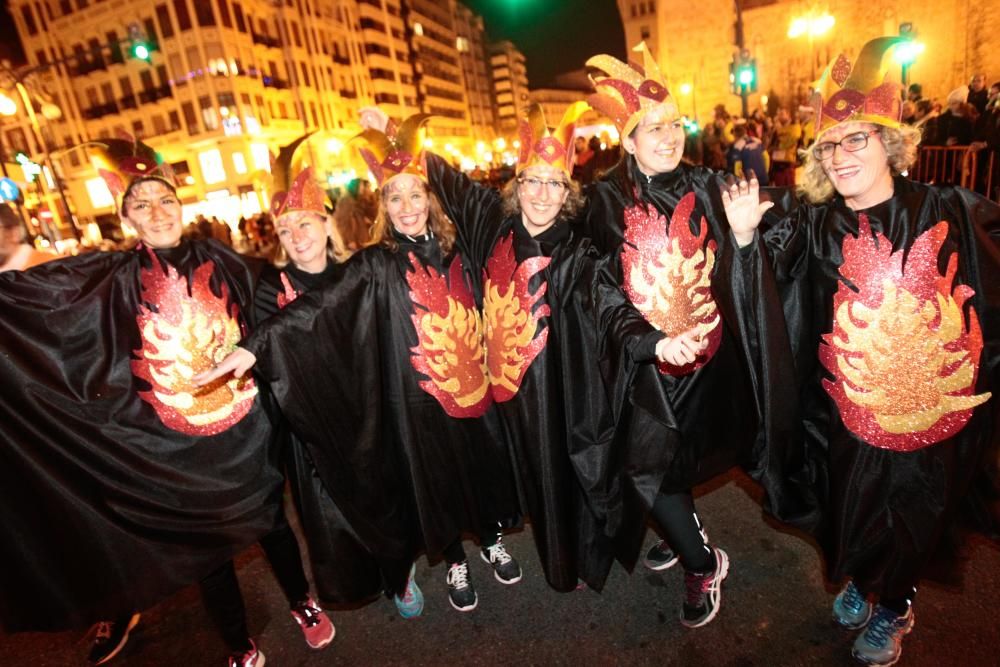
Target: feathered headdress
539 146
846 93
302 194
125 160
627 91
393 151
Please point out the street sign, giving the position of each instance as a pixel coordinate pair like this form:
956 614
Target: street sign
9 190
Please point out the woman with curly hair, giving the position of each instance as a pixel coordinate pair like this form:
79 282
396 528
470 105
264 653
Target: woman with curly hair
885 285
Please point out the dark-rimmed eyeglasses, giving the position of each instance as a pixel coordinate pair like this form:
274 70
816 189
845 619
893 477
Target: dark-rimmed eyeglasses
852 143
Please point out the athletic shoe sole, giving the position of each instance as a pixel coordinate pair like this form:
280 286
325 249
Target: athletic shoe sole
723 565
658 567
323 643
496 575
474 604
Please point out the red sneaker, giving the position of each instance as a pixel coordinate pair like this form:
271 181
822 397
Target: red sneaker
252 658
315 624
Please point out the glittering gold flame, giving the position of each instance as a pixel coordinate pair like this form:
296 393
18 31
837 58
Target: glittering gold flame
897 360
510 328
677 295
453 350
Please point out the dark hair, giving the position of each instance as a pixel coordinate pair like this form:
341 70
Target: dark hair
9 218
139 180
574 200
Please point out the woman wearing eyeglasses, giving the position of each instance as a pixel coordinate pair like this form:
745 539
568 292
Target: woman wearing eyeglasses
690 399
540 353
889 295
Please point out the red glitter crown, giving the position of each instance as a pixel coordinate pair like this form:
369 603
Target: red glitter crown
539 146
627 91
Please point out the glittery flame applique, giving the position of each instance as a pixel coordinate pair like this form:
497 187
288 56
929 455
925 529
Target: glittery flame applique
904 363
668 276
288 293
511 324
185 335
450 348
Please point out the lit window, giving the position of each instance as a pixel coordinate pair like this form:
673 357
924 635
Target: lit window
97 190
212 170
239 163
261 157
418 29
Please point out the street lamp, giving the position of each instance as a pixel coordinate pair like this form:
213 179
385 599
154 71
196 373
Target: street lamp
813 26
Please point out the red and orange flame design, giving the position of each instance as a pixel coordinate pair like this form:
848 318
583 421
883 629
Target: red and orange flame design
668 273
450 349
511 324
187 333
903 360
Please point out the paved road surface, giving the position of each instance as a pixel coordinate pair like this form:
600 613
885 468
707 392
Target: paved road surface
775 612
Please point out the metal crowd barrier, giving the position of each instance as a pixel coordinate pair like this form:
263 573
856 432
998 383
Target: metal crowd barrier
958 165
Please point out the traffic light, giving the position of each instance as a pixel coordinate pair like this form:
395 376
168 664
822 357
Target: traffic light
743 73
140 48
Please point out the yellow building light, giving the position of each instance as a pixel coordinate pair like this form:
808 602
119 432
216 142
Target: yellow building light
212 170
239 163
97 190
261 157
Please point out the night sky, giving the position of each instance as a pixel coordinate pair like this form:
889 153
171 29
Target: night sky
556 36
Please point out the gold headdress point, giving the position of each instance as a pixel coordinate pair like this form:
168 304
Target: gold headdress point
395 151
553 149
846 93
300 194
625 92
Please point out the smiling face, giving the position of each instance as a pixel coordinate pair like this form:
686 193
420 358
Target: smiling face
304 236
407 204
657 141
863 178
541 192
154 210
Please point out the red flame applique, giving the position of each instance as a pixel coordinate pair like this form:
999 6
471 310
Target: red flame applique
511 322
188 333
903 360
668 276
449 349
288 294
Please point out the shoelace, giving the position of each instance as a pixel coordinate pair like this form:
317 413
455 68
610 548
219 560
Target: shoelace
308 613
458 575
883 627
498 552
696 586
852 598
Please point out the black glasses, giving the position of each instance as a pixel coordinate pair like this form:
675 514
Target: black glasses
852 143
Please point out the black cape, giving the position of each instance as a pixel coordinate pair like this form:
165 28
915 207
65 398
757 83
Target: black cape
104 508
344 570
729 411
406 474
555 411
883 509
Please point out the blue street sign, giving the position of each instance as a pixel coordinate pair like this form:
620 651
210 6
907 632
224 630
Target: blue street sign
9 190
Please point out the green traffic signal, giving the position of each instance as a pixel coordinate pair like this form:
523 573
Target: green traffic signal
140 51
746 76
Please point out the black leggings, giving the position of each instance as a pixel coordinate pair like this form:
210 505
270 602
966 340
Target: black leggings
455 552
220 591
674 513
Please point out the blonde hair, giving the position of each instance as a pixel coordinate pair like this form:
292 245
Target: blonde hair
900 148
437 223
336 251
574 200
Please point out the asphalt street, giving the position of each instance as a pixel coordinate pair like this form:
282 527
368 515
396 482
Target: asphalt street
775 611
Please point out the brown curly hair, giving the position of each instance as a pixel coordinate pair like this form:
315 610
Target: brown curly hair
437 223
900 147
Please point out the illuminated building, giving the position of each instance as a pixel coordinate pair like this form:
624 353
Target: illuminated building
510 85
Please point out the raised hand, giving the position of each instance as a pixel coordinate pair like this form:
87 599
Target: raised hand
238 362
744 209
